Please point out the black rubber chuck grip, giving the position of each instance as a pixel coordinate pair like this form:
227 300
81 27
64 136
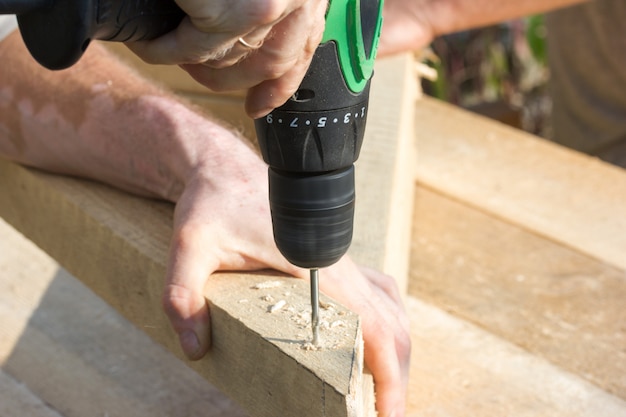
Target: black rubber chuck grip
312 215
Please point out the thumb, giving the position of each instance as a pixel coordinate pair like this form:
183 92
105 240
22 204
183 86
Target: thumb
190 265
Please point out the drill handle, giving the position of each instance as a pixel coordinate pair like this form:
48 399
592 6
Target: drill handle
57 32
21 6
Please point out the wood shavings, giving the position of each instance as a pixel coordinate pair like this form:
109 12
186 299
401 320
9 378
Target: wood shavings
266 285
302 319
310 346
326 306
337 323
274 308
268 298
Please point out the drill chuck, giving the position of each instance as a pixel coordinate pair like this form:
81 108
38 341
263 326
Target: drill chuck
312 215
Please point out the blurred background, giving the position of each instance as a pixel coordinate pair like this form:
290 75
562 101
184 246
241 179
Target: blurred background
499 71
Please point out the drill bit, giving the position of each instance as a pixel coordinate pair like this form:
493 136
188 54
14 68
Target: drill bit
315 305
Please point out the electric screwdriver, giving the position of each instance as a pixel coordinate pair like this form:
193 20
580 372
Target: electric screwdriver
310 143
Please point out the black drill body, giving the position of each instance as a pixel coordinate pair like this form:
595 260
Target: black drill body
57 32
310 144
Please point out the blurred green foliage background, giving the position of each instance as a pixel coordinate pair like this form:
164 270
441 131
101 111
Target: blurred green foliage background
499 71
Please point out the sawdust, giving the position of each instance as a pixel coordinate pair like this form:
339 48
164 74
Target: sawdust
266 285
310 346
276 307
292 308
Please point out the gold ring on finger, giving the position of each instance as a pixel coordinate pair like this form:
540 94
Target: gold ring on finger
249 46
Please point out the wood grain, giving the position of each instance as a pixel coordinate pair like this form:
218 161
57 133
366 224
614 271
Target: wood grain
552 301
117 244
64 351
459 369
385 180
16 396
566 196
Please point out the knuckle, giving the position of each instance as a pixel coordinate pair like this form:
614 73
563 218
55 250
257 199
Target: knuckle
185 237
276 70
175 300
266 12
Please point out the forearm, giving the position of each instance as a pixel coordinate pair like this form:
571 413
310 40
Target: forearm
412 24
99 120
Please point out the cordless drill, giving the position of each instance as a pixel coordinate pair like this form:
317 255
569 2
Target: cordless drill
310 143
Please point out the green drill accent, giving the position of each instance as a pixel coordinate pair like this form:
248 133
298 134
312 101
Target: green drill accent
343 26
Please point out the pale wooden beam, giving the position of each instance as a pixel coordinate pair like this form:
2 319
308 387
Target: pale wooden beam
16 396
459 369
66 352
572 198
552 300
386 171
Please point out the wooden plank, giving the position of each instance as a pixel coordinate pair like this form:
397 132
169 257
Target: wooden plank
460 370
77 356
385 182
571 198
550 300
16 398
117 244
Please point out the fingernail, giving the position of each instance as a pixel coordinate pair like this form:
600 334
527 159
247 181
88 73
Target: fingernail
190 344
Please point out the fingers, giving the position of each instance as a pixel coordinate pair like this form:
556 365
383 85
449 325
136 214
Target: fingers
230 45
374 296
266 96
387 357
388 344
212 232
408 26
183 298
267 51
186 44
275 70
212 28
243 48
383 282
